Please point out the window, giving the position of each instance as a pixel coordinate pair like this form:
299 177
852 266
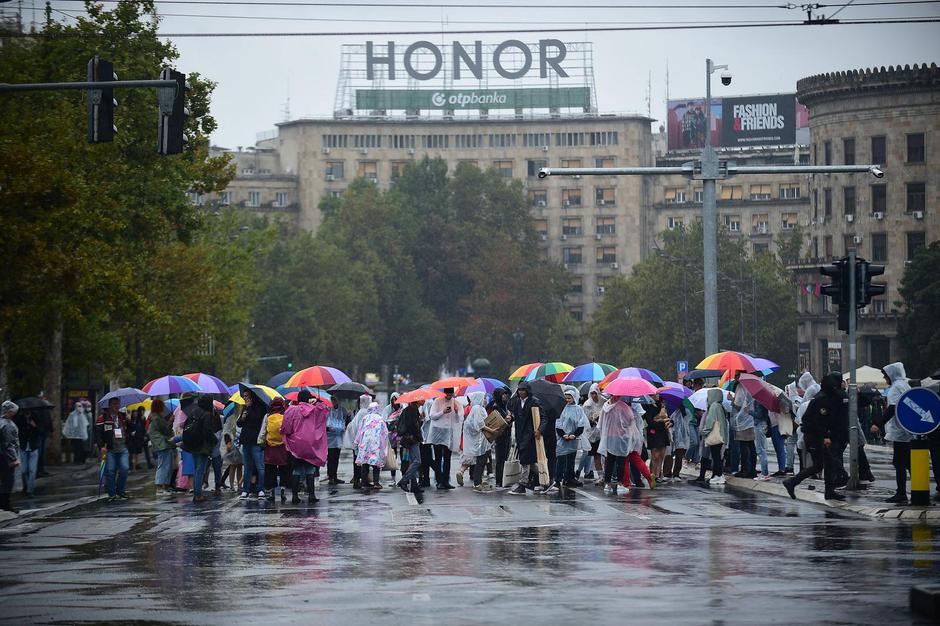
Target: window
197 198
334 141
732 192
226 198
827 151
815 154
879 198
576 285
536 140
254 198
368 170
878 151
281 199
760 223
534 165
502 140
435 141
879 350
850 243
674 222
848 200
571 256
571 226
827 203
605 226
538 197
604 138
504 168
472 162
335 193
761 248
571 162
367 141
469 141
789 220
403 142
577 313
606 254
398 168
827 246
541 227
915 241
789 191
880 306
759 192
604 162
698 196
569 139
571 197
675 195
915 148
879 247
916 197
733 222
604 196
848 150
335 170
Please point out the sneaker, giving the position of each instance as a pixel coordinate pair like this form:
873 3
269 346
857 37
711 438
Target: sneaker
460 478
763 477
599 482
611 490
478 488
123 496
717 480
252 496
261 494
243 495
551 489
518 490
573 483
269 497
419 497
834 495
401 484
779 473
790 471
589 475
112 498
898 498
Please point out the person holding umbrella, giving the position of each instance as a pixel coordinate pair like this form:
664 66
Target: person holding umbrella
274 453
520 414
446 418
409 433
160 432
304 429
76 431
591 460
9 454
621 442
371 446
249 420
336 422
713 442
111 432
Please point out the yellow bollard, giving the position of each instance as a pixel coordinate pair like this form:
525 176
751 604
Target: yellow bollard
920 473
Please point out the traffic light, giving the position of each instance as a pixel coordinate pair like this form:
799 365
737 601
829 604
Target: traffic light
101 102
290 363
865 290
172 121
838 289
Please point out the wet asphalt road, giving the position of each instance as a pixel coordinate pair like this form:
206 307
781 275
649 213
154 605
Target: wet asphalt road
676 555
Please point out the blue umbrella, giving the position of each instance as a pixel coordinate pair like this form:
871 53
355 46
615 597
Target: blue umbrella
279 379
127 395
486 385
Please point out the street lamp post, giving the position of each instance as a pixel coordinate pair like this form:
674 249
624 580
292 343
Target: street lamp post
710 170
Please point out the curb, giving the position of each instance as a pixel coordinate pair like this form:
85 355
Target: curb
910 513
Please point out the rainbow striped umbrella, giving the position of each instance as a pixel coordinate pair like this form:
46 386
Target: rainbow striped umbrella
318 376
208 383
554 372
522 371
167 385
728 360
631 372
589 372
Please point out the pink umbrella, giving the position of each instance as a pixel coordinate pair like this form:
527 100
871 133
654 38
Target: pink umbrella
762 391
630 386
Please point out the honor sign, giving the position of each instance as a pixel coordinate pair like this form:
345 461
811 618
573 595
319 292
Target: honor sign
512 60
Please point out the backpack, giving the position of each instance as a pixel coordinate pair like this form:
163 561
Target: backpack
194 434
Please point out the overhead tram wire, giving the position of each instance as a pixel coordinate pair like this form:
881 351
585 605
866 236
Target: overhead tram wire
541 7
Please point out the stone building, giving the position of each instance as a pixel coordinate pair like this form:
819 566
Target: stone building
889 117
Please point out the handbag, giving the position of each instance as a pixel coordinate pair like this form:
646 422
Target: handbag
391 460
714 437
785 425
512 469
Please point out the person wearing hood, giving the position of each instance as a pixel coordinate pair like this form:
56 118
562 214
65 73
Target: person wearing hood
475 443
199 438
275 455
444 434
503 443
391 414
409 433
820 423
520 415
336 421
9 454
712 454
76 431
371 446
304 429
352 431
744 433
590 459
893 431
621 434
571 429
680 433
249 420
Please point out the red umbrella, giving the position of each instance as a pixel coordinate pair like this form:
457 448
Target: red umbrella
766 394
420 395
318 376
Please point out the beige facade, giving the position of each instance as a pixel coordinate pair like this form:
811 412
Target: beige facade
886 117
261 183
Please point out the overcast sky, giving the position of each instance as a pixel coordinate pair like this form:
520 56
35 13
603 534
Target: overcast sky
256 76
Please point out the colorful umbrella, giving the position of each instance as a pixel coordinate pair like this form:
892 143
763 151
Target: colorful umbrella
523 370
208 383
453 382
589 372
728 360
486 385
127 395
673 394
765 366
632 386
262 392
318 376
554 372
168 385
420 395
631 372
763 392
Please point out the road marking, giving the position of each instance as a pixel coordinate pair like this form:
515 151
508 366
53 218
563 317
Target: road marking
411 499
585 494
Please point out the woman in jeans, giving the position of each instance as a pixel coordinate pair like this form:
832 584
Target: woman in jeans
714 418
335 428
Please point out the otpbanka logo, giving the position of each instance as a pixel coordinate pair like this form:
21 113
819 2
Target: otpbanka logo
467 98
438 99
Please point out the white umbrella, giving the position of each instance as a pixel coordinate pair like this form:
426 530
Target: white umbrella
867 375
699 399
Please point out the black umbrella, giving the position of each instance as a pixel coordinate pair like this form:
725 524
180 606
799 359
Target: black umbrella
349 390
32 402
279 379
550 395
257 393
704 374
935 375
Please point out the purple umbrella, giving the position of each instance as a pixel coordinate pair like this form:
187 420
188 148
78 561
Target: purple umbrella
764 366
168 385
208 383
673 394
127 396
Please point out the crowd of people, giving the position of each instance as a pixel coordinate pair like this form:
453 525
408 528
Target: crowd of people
266 447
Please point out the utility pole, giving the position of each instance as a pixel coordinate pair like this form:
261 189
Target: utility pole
853 386
709 174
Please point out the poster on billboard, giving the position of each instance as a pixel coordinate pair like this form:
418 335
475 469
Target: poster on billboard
685 123
759 120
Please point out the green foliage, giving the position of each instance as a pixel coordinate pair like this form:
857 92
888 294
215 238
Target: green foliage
920 300
654 317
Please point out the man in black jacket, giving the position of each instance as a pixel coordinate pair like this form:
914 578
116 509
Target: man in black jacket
823 423
520 414
409 433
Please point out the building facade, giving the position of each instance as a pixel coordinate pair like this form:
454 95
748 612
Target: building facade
888 117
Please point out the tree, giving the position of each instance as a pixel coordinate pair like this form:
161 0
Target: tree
918 335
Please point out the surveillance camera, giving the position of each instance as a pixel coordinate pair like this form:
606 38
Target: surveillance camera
726 78
877 172
543 172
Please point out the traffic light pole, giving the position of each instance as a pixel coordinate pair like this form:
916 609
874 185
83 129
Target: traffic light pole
853 386
86 85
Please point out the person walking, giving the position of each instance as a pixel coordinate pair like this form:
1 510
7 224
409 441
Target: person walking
621 443
198 440
520 411
821 418
249 420
571 430
111 432
409 435
446 418
160 432
503 442
9 454
75 430
475 444
371 446
352 431
30 445
304 429
714 418
275 455
336 421
893 431
591 462
390 414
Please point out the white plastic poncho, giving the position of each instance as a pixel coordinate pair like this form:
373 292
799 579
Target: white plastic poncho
593 411
425 422
445 425
390 407
352 430
681 431
571 419
893 429
474 442
620 430
808 396
742 418
76 426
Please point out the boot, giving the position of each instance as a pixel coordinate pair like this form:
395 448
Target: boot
832 494
311 490
295 491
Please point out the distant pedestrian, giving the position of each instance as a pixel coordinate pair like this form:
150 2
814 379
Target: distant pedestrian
893 431
111 431
160 432
503 442
75 430
275 455
820 422
621 443
571 430
713 448
409 432
249 420
336 422
9 454
304 429
520 415
446 417
232 463
680 434
371 446
352 431
475 444
592 463
30 446
137 437
198 440
657 435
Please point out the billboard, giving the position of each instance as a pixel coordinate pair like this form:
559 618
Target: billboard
459 99
737 122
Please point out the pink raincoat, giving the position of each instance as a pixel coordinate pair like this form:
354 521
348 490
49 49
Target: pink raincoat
304 430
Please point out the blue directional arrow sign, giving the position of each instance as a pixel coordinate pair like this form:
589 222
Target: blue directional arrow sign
918 411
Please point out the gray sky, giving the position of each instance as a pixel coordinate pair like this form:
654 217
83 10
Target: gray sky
256 76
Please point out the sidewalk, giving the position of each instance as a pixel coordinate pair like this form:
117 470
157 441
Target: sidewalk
868 502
